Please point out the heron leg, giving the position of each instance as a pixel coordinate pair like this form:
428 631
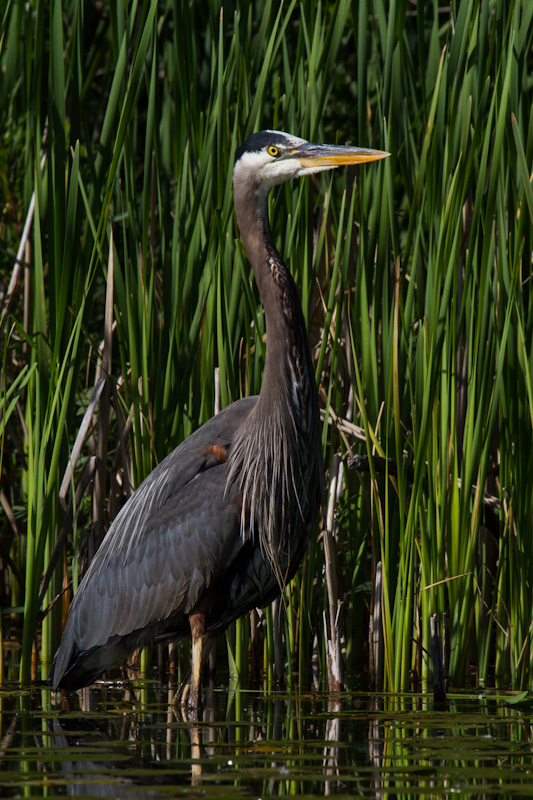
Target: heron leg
190 694
196 676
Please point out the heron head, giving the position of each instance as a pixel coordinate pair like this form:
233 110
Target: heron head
268 158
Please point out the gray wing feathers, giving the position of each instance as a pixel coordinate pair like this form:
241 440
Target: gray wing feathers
168 569
156 558
174 472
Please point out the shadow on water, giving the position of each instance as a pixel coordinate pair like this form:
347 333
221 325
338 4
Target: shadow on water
132 742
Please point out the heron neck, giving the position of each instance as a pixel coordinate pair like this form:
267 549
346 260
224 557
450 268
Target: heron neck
276 458
287 343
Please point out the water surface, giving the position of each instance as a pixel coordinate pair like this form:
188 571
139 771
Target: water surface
132 743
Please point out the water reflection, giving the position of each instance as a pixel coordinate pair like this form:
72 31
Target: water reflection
74 772
132 741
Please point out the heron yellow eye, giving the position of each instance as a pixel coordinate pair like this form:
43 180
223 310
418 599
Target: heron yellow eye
272 151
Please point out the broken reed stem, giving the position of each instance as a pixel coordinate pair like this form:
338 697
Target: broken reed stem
437 657
333 617
20 260
279 671
376 629
104 370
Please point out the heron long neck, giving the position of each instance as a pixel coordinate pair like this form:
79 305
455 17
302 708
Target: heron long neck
276 460
288 361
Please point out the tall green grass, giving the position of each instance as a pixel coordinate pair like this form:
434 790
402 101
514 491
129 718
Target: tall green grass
415 278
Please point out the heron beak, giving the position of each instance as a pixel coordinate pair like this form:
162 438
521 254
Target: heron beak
325 155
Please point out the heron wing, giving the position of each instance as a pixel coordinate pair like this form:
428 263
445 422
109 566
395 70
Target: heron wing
183 549
164 547
192 457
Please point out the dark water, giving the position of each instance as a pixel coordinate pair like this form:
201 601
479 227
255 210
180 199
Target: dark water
115 742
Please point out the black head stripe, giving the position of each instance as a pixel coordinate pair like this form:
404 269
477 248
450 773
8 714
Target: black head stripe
258 141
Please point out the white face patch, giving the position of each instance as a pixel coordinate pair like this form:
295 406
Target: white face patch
268 158
265 171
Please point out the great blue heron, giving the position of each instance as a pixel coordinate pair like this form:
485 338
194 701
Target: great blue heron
221 524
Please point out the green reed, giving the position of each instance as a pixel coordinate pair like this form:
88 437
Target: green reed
415 278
